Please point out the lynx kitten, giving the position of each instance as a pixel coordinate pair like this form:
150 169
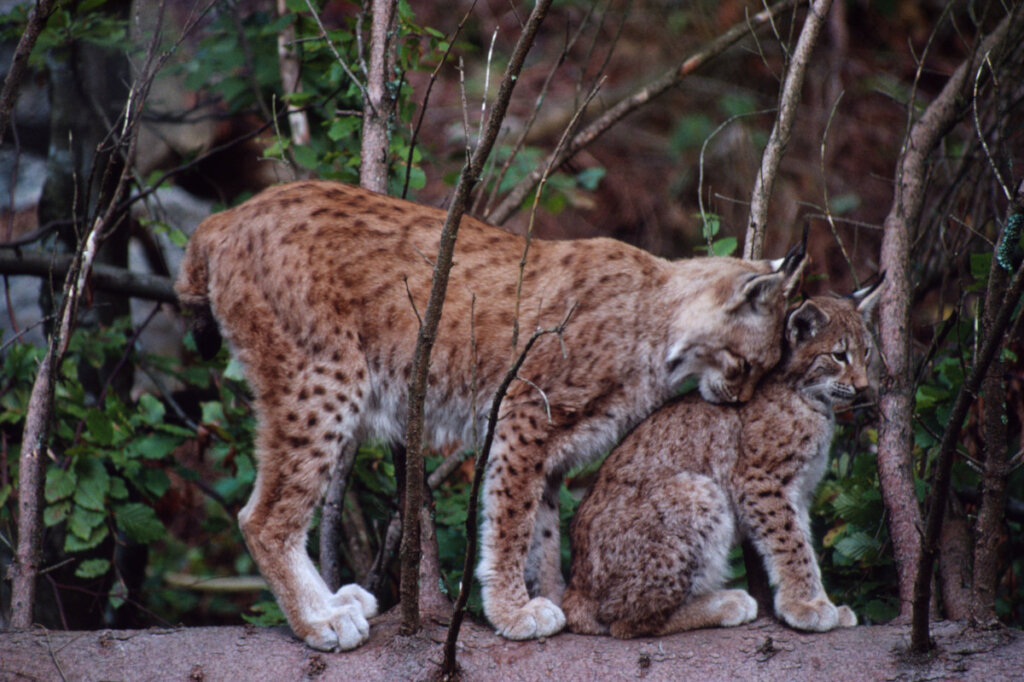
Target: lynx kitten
319 287
650 540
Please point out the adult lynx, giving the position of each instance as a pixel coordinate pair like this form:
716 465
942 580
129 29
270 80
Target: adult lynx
318 286
651 539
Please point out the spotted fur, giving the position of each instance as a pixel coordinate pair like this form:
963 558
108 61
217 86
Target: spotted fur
651 539
319 287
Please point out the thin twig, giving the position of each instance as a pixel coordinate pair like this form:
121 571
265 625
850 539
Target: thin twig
789 102
824 191
620 110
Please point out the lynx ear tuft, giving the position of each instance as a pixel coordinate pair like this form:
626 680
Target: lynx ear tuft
805 323
792 266
867 298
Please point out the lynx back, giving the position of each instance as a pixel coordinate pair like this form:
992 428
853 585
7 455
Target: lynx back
318 287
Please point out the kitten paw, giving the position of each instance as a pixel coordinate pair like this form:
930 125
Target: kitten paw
343 624
816 615
847 618
736 608
538 618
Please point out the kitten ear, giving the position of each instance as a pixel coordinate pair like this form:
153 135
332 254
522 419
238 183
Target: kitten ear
792 266
867 298
804 323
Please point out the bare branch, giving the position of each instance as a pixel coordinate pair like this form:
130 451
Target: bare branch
895 395
12 82
379 98
103 277
584 137
789 101
290 64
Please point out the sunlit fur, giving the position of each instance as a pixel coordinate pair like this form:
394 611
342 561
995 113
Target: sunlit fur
319 288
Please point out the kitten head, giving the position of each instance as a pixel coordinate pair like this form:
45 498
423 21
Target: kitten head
734 338
830 352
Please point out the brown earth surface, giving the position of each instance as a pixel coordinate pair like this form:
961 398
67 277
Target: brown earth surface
763 650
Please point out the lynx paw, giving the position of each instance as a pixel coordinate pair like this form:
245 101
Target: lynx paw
847 618
353 593
736 608
817 615
538 618
343 624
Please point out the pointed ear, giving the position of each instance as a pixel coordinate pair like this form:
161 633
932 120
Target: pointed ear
868 297
792 266
758 291
805 323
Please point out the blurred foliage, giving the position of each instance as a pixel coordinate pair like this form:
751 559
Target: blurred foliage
169 469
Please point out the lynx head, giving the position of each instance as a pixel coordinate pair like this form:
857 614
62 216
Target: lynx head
732 340
829 347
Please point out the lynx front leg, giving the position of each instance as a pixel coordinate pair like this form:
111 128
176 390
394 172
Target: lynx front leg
275 521
513 491
780 532
544 562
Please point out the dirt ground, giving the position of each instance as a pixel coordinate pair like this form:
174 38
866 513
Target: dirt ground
763 650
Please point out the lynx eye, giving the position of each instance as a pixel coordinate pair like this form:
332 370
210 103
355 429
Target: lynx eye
841 357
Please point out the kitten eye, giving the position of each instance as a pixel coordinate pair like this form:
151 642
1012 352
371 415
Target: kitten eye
840 357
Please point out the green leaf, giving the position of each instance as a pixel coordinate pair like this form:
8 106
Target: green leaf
60 483
306 157
589 178
981 263
267 613
155 445
235 370
73 543
55 513
341 128
213 412
929 396
177 236
83 521
724 246
99 428
856 546
710 224
155 482
151 409
118 490
139 522
93 484
92 568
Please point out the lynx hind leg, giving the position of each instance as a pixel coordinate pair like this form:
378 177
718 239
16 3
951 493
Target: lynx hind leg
544 561
688 563
581 613
723 608
298 443
513 491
